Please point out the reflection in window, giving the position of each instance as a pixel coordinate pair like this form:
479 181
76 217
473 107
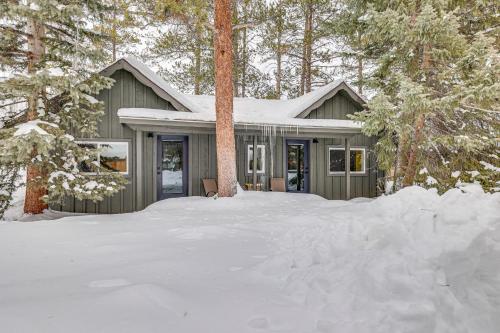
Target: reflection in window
111 156
261 158
336 160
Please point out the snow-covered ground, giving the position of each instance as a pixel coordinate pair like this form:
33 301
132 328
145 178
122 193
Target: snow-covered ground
260 262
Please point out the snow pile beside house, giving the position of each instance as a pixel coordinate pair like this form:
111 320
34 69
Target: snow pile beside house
261 262
413 261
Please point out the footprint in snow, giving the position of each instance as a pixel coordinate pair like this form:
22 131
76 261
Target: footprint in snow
109 283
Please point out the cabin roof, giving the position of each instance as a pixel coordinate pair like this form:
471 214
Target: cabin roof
201 108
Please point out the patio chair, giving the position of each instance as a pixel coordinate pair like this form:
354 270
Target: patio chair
210 187
278 185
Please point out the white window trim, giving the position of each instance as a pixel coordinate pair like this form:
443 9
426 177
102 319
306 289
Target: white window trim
99 143
340 173
263 147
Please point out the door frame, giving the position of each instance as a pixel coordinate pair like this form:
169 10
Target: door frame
307 165
185 166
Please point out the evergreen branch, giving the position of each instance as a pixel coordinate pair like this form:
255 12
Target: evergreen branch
479 109
248 25
14 30
12 103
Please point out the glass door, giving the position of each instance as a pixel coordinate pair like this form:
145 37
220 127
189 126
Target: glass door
172 167
297 160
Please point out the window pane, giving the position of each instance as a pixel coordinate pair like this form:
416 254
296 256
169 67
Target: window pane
337 160
172 168
260 158
86 166
356 160
114 156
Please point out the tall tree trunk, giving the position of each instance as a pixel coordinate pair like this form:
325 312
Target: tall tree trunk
244 51
35 174
197 65
306 78
279 51
226 151
244 62
411 167
278 71
360 74
360 66
236 53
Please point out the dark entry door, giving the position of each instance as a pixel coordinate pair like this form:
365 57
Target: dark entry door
297 165
172 167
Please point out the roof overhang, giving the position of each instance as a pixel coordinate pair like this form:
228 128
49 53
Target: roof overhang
198 126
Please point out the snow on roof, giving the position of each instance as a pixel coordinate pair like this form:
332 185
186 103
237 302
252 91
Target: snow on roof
246 110
269 107
241 117
202 103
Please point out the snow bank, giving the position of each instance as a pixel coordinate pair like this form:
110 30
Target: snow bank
261 262
414 261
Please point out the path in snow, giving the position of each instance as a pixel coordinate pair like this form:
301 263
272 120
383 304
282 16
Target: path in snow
260 262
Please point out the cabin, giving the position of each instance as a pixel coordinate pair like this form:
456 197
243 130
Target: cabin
163 142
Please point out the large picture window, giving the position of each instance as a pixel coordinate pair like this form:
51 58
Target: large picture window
111 156
336 160
261 158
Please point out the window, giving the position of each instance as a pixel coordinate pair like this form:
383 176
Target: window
111 156
336 160
261 158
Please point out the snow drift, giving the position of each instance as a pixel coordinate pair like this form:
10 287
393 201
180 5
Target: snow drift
261 262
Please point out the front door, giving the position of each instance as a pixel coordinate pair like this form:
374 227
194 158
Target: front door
172 167
297 165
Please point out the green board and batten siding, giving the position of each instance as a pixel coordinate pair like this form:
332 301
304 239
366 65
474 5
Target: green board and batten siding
333 186
130 92
127 91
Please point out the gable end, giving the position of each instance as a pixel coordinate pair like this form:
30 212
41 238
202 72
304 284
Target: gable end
341 89
125 65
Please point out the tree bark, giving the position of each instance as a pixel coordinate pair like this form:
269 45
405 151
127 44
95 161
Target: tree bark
244 63
411 167
197 65
360 74
278 73
279 50
113 32
305 78
35 174
226 152
360 66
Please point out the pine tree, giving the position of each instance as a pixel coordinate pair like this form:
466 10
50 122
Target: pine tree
348 30
226 148
198 13
437 108
49 49
119 24
187 52
248 79
312 55
277 36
